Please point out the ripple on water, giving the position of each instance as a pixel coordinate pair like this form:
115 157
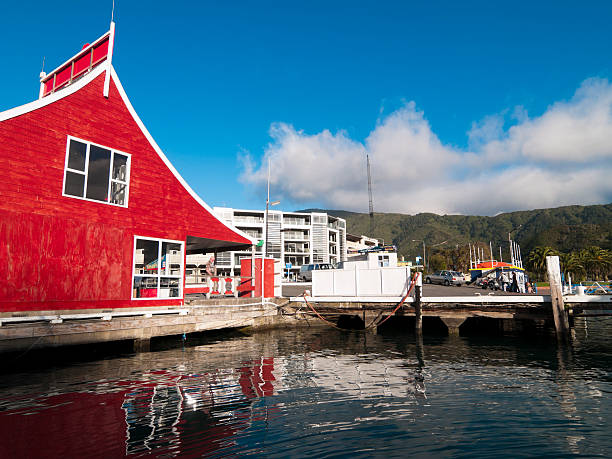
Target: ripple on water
320 393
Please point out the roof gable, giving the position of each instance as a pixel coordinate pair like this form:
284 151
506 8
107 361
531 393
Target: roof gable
233 235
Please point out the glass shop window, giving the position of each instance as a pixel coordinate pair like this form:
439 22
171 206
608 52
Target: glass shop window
96 173
158 268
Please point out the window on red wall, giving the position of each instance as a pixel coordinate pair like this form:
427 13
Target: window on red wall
158 268
96 173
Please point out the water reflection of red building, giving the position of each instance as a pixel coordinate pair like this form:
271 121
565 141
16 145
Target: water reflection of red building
79 424
256 380
169 414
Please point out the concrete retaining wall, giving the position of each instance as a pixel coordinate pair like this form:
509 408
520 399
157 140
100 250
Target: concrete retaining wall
201 315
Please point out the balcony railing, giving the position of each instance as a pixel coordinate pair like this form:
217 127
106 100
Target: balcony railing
295 221
295 236
247 219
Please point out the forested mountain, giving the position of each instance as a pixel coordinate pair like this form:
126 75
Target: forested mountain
565 229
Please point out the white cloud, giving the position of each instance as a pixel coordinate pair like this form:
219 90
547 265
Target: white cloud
562 157
482 132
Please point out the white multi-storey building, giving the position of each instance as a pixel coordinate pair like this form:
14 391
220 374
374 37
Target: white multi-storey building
356 243
295 238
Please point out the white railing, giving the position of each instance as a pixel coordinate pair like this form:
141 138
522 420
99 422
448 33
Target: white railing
247 219
217 286
295 236
60 318
295 221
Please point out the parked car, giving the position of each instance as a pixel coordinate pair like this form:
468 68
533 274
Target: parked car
445 278
306 270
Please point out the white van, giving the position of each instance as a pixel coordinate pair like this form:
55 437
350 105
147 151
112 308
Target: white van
306 270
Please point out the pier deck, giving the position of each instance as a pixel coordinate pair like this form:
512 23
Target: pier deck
454 305
20 331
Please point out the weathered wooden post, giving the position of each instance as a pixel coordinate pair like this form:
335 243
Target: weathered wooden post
419 377
556 297
418 313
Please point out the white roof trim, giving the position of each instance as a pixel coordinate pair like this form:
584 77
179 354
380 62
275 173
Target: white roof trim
167 162
88 78
59 94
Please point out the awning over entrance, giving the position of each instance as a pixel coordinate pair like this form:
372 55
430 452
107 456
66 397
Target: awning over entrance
203 245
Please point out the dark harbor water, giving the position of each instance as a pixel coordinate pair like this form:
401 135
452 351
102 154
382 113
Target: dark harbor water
320 393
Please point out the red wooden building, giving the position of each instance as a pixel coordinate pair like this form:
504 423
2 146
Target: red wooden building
92 213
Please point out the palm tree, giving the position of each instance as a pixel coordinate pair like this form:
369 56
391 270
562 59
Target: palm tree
571 263
596 261
536 261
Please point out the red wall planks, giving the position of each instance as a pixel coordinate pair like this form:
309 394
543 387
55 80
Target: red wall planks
67 253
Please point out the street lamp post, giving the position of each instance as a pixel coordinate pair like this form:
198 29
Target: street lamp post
265 247
268 204
423 241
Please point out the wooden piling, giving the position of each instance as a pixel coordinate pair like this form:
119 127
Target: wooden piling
556 296
418 312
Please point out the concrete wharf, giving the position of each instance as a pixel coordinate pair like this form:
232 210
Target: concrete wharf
26 331
456 308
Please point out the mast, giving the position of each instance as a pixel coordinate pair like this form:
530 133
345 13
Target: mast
109 58
371 203
470 250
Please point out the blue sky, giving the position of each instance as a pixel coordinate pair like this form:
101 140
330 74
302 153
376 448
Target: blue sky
448 98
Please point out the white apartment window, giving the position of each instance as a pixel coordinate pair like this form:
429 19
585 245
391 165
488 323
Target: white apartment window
158 268
96 173
383 261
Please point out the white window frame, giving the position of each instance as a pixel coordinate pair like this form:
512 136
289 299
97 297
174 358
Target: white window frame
86 173
158 276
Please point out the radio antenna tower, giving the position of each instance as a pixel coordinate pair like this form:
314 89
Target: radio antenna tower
370 197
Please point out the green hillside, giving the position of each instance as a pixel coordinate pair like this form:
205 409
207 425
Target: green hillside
566 229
